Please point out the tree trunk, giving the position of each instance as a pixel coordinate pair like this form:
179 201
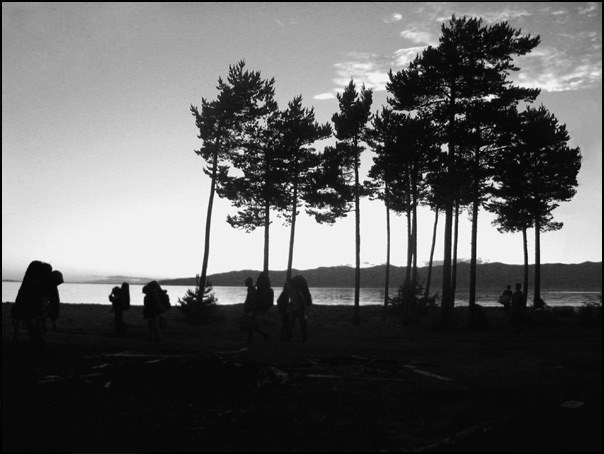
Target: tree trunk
472 298
447 297
454 260
537 296
267 223
387 284
356 320
429 278
206 252
292 232
414 243
526 261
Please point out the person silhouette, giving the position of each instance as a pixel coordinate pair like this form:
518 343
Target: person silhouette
518 307
506 297
251 310
299 299
118 302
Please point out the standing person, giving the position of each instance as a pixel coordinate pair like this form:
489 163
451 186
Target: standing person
506 297
518 307
265 299
54 300
152 309
299 299
30 304
282 305
117 307
250 312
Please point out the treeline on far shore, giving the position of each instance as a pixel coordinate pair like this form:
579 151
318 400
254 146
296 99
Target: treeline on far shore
585 276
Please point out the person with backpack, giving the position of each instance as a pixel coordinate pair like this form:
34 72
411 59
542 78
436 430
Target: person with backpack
152 309
299 299
120 302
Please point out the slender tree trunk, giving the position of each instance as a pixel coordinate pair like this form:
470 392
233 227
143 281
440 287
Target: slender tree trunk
475 207
537 296
356 320
267 223
429 278
409 250
414 237
525 284
448 298
206 253
454 264
387 284
292 232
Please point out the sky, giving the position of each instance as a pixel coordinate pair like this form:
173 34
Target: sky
99 173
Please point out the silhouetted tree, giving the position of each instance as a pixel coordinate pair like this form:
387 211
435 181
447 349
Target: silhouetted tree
471 62
219 123
350 131
298 131
538 171
257 184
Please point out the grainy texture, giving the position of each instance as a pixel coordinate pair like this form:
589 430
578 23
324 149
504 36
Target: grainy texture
379 386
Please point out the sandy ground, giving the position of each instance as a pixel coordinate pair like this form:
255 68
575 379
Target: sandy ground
379 386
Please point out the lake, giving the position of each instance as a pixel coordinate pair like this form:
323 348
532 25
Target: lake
99 293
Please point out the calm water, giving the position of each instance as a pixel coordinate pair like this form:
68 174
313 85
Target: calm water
98 294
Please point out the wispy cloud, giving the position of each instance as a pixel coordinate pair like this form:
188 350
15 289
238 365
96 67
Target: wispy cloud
590 9
554 70
324 96
369 69
418 36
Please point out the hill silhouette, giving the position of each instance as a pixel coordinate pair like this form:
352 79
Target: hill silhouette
585 276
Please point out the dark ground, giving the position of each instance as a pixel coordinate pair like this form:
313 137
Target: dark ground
380 386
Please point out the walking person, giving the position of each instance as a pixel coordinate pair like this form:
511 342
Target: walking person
152 309
251 309
120 300
282 306
518 308
299 299
506 298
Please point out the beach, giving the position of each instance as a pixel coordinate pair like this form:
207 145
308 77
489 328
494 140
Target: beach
384 385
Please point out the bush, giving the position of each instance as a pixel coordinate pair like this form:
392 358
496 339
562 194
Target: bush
411 303
199 308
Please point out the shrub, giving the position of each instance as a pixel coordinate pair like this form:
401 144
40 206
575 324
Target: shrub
411 303
199 308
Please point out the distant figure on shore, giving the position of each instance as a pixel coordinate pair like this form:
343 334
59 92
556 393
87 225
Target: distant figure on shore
518 307
299 299
282 306
152 309
120 302
251 321
506 298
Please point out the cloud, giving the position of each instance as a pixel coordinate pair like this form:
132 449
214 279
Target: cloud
418 37
323 96
554 70
364 68
395 17
591 7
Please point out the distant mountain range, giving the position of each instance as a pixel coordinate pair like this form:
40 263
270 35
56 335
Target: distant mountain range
585 276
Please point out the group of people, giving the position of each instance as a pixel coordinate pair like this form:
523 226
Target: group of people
37 300
514 303
155 303
291 304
